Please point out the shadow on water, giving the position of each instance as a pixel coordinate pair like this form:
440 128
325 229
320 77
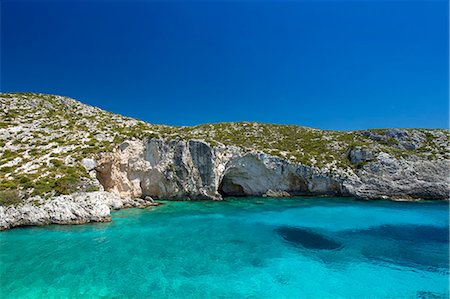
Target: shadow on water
430 295
412 233
307 238
415 246
418 246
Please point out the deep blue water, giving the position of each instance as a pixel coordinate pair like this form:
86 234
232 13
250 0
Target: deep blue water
239 248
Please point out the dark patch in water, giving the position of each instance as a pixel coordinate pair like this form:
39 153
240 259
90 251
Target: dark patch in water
419 246
412 233
307 238
430 295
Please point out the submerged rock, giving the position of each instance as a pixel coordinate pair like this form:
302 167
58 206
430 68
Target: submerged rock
307 238
410 245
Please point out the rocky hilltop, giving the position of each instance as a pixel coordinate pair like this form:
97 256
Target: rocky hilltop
59 155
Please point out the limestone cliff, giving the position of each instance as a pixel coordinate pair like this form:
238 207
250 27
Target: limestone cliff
193 169
56 152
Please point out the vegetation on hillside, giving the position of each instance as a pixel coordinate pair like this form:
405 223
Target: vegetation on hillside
44 138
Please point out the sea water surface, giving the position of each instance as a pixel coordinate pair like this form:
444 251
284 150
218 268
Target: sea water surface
238 248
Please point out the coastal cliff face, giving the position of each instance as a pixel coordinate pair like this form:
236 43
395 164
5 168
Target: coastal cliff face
57 154
193 169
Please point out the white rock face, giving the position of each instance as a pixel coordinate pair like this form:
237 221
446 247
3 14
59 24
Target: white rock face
40 133
193 169
76 208
89 164
400 179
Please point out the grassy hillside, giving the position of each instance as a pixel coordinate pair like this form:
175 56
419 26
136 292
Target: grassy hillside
43 139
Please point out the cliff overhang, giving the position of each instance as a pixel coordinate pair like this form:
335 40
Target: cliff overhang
194 169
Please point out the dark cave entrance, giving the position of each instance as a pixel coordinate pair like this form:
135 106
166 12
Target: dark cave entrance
228 188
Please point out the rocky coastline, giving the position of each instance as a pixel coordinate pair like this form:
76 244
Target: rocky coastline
139 170
77 208
65 162
193 169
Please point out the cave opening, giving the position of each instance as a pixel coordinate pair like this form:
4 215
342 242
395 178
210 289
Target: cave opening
228 188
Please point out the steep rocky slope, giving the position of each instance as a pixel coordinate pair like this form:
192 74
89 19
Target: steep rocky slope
44 138
194 169
52 146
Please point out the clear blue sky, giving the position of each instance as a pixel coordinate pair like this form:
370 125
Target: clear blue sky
326 64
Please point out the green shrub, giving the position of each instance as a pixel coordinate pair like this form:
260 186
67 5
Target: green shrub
66 185
8 184
26 182
10 197
43 186
8 154
90 150
92 188
8 169
57 163
33 151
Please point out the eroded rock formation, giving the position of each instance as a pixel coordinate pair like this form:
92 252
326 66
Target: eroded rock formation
77 208
48 143
193 169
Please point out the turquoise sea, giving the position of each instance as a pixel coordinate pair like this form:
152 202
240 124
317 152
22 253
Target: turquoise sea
238 248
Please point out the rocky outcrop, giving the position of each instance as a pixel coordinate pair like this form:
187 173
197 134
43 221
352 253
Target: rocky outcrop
403 179
76 208
49 145
49 140
193 169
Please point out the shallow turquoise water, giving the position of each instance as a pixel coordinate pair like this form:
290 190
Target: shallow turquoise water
246 248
